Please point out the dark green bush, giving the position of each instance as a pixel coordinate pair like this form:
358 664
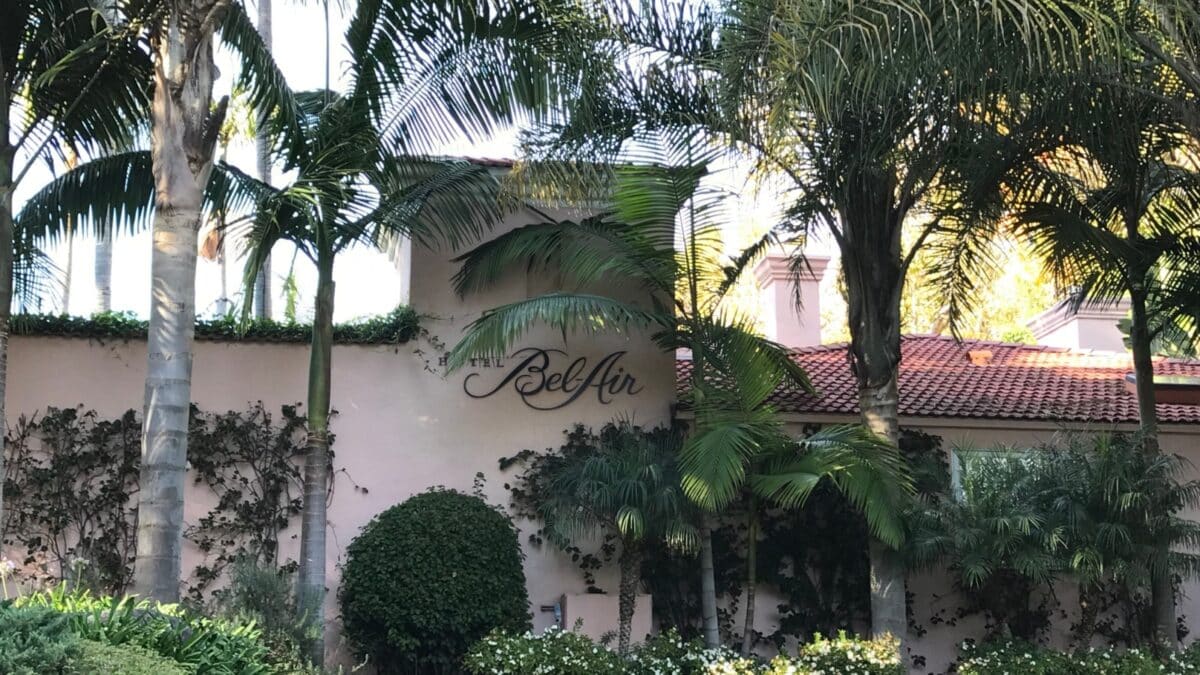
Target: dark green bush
428 578
97 658
36 641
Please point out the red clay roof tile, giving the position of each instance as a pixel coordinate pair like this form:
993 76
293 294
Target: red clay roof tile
1021 382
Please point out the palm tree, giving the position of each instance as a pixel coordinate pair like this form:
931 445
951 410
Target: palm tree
412 90
626 485
857 105
1168 32
1119 509
359 179
262 148
168 186
663 233
65 81
869 137
1104 181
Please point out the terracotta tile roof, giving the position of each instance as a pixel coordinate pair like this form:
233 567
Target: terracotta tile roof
941 377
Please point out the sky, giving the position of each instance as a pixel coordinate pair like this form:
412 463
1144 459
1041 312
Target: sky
367 282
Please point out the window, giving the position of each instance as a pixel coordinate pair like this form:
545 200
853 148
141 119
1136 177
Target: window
975 471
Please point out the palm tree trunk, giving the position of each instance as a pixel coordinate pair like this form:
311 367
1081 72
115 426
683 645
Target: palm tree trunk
262 147
631 574
872 265
311 580
708 591
888 609
751 577
183 140
1162 591
72 161
7 156
102 271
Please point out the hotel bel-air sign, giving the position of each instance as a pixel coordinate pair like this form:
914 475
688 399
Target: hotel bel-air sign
550 379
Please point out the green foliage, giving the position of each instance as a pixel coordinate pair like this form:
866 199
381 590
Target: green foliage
249 461
399 326
1001 658
265 597
68 495
71 483
428 578
97 658
1097 510
620 481
879 656
560 652
668 652
208 646
36 641
557 651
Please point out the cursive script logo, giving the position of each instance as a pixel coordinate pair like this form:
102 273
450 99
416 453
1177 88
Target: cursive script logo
543 386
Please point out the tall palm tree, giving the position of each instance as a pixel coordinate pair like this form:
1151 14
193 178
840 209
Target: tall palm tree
422 74
663 233
66 80
1104 180
166 186
855 104
262 149
870 137
628 486
361 180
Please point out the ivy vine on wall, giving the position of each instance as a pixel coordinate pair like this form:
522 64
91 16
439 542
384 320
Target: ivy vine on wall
70 492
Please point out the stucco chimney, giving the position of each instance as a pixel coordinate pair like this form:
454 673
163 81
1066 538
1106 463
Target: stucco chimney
1091 327
783 321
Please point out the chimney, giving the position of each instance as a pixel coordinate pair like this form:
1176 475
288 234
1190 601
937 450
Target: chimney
1093 326
783 321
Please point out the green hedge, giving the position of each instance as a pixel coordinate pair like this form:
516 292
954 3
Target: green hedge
97 658
397 327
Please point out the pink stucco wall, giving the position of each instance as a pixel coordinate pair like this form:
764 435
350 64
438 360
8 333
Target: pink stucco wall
402 424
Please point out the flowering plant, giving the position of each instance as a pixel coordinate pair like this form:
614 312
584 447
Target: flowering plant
1027 659
554 652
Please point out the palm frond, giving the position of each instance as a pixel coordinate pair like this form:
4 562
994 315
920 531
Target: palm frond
268 91
115 193
498 329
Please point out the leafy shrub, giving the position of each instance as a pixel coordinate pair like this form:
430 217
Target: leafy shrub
209 646
97 658
555 651
428 578
668 652
265 596
879 656
1027 659
36 641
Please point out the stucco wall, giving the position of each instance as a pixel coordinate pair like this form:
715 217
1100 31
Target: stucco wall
402 426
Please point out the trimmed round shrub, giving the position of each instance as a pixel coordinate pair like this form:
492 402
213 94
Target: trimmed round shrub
428 578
